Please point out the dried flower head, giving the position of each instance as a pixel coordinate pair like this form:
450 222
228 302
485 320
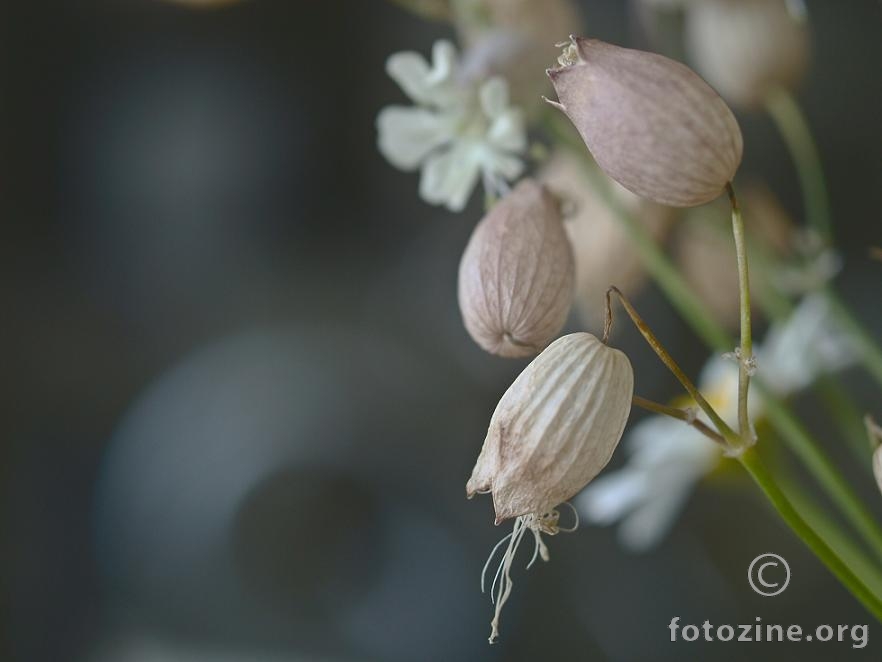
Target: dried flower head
651 123
746 48
553 431
516 275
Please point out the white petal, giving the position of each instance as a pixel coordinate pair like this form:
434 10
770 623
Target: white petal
494 97
646 526
607 499
443 62
508 131
411 71
449 177
499 164
406 136
808 344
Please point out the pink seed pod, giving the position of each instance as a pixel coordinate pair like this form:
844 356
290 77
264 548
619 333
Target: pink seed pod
651 123
516 274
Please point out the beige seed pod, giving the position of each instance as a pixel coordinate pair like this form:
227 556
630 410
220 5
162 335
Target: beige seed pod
516 274
746 48
651 123
555 428
604 252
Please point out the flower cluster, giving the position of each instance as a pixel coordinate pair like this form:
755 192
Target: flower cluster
659 138
456 132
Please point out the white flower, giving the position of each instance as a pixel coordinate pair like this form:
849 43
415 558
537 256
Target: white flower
667 458
456 132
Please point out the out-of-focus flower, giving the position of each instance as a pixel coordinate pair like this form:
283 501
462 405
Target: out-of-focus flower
455 133
516 275
554 430
651 123
604 253
514 39
745 48
668 458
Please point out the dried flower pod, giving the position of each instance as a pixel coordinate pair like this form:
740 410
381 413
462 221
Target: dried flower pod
746 48
516 274
555 428
604 252
651 123
553 431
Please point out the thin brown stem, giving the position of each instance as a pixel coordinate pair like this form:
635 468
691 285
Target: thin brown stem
684 415
727 432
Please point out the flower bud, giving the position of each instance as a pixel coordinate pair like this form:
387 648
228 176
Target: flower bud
745 48
603 250
651 123
516 274
555 428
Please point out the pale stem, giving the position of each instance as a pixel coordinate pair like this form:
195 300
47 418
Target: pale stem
685 415
745 353
727 432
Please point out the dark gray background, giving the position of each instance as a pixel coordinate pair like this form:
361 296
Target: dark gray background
239 404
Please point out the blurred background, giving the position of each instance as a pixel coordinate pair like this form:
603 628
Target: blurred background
240 405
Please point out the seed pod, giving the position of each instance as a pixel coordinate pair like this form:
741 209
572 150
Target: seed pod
516 274
555 428
745 48
651 123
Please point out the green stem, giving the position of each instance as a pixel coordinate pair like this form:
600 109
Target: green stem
797 134
745 355
678 292
794 128
751 461
819 466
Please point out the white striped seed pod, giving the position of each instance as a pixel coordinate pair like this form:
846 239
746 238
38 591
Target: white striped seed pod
516 274
555 428
651 123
